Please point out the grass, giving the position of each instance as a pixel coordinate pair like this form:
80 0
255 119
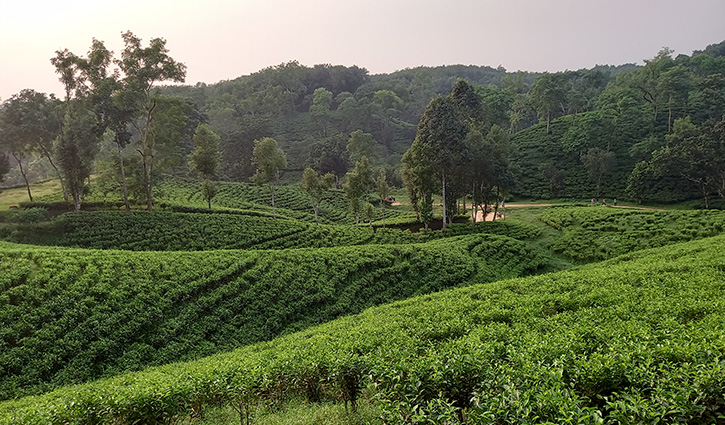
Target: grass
16 195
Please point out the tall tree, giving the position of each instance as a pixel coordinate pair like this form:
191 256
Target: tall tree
143 68
419 179
316 186
548 94
361 144
382 189
83 123
205 159
320 109
443 133
31 122
357 186
597 162
270 160
76 148
4 164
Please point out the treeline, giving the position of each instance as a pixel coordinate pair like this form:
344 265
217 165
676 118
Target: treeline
647 133
574 133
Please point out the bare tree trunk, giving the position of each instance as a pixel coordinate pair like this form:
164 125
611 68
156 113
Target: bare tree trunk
704 193
76 201
274 211
60 177
123 179
443 178
24 174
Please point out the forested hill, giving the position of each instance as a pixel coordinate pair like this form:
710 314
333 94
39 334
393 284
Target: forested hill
649 133
311 111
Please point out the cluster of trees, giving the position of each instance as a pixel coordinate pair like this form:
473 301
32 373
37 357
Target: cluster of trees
574 133
603 149
460 151
110 104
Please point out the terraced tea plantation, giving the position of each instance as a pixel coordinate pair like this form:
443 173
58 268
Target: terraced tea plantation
639 339
596 233
225 316
166 231
95 313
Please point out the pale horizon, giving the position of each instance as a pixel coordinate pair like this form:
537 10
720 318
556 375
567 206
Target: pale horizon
225 39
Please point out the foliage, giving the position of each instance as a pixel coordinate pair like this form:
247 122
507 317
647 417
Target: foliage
205 157
595 234
269 159
98 313
633 340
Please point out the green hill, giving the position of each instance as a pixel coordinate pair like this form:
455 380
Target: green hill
69 315
169 231
637 339
595 234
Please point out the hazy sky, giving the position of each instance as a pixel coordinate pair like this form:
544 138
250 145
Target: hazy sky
223 39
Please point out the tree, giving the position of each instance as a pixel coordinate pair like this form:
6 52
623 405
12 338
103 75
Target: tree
84 122
597 162
30 123
76 148
320 109
330 155
205 158
4 165
639 182
489 175
144 67
316 186
269 159
361 144
419 179
382 190
358 183
548 94
443 133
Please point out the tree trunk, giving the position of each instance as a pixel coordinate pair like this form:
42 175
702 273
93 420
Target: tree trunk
60 177
704 193
25 176
76 201
548 122
123 179
443 185
149 183
383 208
274 212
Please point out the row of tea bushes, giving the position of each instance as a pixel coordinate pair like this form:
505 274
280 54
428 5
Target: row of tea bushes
636 340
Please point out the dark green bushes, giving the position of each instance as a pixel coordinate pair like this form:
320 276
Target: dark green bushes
639 339
167 231
597 233
68 316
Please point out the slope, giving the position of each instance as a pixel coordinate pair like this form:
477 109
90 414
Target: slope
637 339
68 315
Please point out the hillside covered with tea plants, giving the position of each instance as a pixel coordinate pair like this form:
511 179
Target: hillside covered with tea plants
636 339
71 315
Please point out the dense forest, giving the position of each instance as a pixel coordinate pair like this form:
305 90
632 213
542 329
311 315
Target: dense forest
650 133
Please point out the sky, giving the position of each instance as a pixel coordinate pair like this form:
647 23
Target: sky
224 39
